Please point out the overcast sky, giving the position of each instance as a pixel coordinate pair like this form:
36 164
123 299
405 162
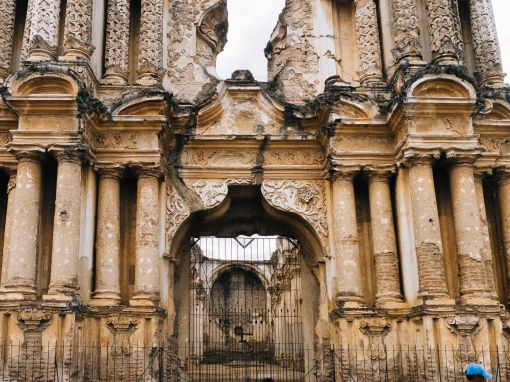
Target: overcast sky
251 24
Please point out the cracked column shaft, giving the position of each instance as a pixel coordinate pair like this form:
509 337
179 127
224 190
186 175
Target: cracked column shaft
21 269
66 227
347 261
11 194
427 234
107 290
147 238
504 212
468 230
383 238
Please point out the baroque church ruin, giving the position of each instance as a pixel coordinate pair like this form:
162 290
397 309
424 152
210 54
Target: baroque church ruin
347 220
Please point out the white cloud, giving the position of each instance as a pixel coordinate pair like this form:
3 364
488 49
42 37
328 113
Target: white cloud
251 24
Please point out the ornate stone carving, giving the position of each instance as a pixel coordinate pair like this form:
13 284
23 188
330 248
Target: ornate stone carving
375 330
78 29
122 324
369 48
406 30
41 29
213 193
7 10
306 198
445 33
33 320
150 58
466 327
116 141
177 211
294 157
212 35
117 42
485 43
218 157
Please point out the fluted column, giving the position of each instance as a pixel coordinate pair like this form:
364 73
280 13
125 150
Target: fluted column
11 194
65 264
489 68
468 231
487 249
383 238
406 30
445 32
78 29
20 273
369 44
345 228
504 212
41 30
117 43
427 234
107 291
8 11
147 238
150 58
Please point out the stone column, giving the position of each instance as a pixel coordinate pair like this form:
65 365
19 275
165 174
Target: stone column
107 291
11 194
487 249
78 29
468 230
445 33
40 39
406 30
65 264
489 68
345 228
147 238
504 212
427 234
8 11
117 43
20 273
150 59
383 238
369 44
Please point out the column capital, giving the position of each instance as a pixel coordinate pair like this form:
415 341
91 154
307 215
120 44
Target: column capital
481 173
72 154
147 171
113 171
344 173
379 174
419 159
27 155
503 175
462 159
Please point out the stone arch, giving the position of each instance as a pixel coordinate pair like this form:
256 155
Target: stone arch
153 105
49 84
441 86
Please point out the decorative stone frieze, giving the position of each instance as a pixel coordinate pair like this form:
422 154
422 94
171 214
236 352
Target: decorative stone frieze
445 33
11 194
150 57
485 43
465 327
117 43
78 29
369 44
33 320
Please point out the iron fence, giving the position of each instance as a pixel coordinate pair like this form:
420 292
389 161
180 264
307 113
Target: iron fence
132 363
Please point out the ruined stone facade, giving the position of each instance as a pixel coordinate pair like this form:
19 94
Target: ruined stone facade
381 142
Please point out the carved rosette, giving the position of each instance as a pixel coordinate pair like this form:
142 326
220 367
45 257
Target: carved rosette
41 30
303 197
78 29
150 58
445 32
406 29
7 10
369 48
466 327
485 42
375 330
117 43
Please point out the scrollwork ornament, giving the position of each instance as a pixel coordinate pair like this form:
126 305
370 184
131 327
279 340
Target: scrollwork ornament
150 59
177 211
7 10
306 198
117 42
407 31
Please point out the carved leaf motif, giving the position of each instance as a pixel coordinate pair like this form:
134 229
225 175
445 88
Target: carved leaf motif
306 198
177 210
116 141
407 32
151 36
78 24
375 330
117 36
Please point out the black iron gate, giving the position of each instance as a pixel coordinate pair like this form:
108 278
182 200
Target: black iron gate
245 319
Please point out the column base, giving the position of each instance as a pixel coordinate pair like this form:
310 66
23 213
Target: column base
104 298
478 300
17 293
144 299
350 302
438 300
391 304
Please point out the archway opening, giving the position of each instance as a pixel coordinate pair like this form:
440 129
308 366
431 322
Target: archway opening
246 315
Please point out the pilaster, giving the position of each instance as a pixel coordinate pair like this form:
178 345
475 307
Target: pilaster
150 58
